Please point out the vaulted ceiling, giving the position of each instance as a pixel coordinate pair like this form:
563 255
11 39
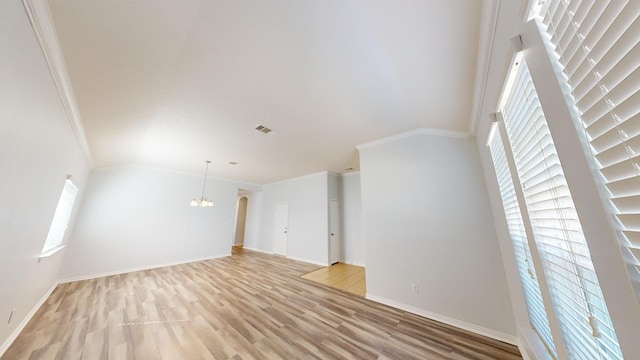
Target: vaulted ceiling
171 83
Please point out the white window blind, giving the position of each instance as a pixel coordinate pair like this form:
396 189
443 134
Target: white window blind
515 223
578 302
61 217
597 44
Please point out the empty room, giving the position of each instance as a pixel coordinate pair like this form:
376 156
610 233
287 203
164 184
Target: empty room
311 179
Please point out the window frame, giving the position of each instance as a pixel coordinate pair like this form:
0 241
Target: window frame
54 241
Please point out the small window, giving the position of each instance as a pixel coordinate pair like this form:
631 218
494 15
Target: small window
60 220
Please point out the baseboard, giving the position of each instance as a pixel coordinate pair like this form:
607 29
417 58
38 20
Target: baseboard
509 339
257 250
352 263
307 261
25 321
289 257
130 270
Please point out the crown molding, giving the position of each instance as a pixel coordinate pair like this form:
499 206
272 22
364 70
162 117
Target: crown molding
420 131
297 178
489 22
351 173
40 17
247 185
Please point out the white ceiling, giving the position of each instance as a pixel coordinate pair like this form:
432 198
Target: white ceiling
172 83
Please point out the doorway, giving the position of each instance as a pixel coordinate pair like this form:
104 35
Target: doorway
335 242
281 229
241 221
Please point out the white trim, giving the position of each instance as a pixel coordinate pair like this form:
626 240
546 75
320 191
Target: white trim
251 187
445 133
287 257
352 263
493 129
142 268
298 178
5 346
51 251
43 26
414 132
531 347
497 335
257 250
307 261
352 173
489 24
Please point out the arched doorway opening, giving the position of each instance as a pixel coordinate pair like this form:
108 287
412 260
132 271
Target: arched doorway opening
241 221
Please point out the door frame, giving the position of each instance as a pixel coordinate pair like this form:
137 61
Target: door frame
335 236
275 229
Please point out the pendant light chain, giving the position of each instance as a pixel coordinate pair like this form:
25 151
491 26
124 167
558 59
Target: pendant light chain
203 202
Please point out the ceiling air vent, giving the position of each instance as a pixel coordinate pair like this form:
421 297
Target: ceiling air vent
263 129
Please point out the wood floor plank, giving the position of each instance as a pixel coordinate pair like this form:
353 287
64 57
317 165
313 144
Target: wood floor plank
73 340
96 345
210 337
246 306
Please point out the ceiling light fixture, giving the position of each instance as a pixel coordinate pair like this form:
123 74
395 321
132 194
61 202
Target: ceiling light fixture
203 202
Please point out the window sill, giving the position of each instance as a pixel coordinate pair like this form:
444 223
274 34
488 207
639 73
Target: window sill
50 252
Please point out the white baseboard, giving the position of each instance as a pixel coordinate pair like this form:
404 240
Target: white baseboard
25 321
257 250
307 261
125 271
288 257
349 262
497 335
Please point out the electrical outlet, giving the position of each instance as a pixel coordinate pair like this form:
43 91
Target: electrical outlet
414 288
11 316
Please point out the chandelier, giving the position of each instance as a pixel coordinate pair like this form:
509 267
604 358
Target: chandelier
203 202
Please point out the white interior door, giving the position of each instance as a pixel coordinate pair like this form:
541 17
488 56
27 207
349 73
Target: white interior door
281 227
334 232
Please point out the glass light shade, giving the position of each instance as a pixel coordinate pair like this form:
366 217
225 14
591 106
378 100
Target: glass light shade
203 201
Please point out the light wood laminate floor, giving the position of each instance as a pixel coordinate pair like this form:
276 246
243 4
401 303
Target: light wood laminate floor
349 278
246 306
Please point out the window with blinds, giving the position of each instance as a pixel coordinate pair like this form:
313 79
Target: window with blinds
577 299
597 45
515 223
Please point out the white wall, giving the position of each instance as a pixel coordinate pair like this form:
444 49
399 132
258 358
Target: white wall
37 151
307 197
334 185
136 217
352 238
427 220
